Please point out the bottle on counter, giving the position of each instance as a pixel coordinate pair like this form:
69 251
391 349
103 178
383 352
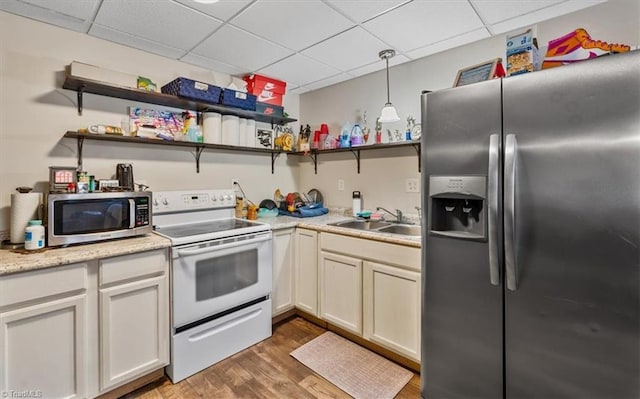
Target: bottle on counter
34 235
357 203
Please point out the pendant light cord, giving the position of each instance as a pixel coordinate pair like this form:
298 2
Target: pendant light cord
388 97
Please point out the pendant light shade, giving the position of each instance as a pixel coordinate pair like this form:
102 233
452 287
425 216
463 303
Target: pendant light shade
388 113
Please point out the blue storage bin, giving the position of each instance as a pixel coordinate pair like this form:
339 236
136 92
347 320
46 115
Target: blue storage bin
239 99
193 90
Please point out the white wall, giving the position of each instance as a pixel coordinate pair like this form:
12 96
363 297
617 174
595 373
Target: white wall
35 112
383 173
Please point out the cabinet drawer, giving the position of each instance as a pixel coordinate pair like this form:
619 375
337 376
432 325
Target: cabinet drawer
33 285
394 254
133 266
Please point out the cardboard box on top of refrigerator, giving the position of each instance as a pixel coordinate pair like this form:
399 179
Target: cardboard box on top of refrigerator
268 90
522 53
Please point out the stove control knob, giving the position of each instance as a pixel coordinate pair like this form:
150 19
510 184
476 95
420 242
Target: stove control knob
165 202
155 202
227 197
221 198
214 199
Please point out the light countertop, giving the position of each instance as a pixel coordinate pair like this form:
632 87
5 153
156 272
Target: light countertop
15 261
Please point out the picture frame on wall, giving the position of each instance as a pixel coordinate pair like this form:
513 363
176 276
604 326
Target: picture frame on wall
477 73
264 138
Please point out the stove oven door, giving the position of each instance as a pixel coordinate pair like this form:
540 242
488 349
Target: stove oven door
214 277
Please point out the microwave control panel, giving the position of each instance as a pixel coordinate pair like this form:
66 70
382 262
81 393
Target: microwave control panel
142 211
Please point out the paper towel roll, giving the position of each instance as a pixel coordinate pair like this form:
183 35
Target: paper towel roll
230 129
250 132
242 136
24 207
212 128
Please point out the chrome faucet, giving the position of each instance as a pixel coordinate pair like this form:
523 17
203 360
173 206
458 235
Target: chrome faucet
398 215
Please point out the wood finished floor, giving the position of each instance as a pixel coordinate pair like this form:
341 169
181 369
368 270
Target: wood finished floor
264 370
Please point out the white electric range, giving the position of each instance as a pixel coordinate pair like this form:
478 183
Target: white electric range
220 277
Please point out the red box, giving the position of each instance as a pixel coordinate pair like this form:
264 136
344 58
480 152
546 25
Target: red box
268 90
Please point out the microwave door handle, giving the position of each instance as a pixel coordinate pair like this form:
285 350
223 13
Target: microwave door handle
132 213
198 251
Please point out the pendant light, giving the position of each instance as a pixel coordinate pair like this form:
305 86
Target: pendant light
388 113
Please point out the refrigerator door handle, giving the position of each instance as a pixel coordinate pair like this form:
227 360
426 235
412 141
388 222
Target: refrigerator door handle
510 160
492 201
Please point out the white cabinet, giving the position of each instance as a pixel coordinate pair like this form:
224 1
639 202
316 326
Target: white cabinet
80 330
341 291
306 271
282 297
134 317
372 288
43 333
392 308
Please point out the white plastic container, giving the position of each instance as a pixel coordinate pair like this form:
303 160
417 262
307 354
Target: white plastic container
34 235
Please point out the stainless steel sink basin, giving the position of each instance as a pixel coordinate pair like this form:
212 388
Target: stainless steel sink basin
361 224
380 226
404 229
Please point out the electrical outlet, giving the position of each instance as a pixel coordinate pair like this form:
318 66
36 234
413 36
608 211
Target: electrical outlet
412 185
234 181
340 185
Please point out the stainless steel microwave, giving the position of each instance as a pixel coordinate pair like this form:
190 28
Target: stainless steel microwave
80 218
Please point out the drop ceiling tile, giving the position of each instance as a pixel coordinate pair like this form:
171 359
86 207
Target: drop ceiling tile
237 47
447 44
329 81
135 42
424 22
223 9
299 70
213 65
362 10
161 22
544 14
69 14
293 24
348 50
379 65
493 11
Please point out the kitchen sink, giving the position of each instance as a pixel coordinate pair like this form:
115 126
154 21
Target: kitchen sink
361 224
404 229
380 226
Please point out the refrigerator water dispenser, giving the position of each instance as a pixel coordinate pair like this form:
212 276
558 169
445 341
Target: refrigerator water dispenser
458 207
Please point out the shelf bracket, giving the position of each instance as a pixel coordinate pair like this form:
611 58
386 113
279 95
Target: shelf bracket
80 95
356 153
199 150
419 152
314 158
80 144
274 156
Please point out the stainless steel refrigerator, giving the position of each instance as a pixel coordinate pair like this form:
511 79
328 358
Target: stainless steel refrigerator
531 256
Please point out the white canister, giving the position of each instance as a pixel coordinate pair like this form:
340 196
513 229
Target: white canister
34 235
242 136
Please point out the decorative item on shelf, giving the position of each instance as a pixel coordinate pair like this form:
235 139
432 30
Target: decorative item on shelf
264 138
284 138
388 113
477 73
378 131
147 84
410 122
304 138
365 128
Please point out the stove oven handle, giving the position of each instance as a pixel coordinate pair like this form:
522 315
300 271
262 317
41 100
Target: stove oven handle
212 248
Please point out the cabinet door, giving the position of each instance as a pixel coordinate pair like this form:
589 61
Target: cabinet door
282 293
392 308
341 291
134 330
43 349
306 275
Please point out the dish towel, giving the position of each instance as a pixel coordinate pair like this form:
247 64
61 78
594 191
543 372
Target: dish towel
305 212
